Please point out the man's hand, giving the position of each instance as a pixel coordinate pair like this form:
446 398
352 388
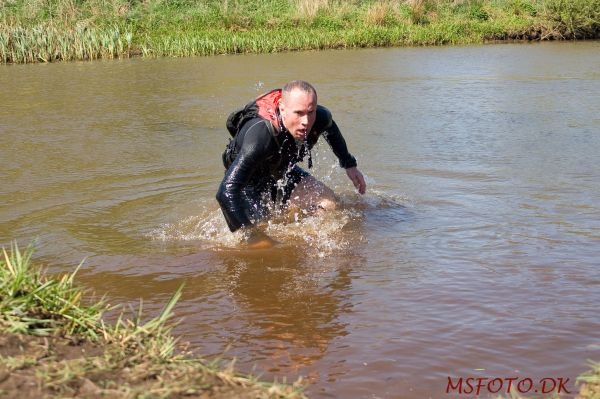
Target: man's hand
357 179
259 240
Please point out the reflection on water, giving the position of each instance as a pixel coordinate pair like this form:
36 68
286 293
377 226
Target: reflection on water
292 310
475 248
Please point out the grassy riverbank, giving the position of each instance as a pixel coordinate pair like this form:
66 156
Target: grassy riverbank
51 30
54 343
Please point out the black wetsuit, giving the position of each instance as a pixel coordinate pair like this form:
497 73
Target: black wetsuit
261 166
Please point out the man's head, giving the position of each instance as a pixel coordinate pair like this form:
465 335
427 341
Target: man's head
298 108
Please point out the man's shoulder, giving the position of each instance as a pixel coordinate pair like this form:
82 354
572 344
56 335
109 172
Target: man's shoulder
323 120
258 126
257 135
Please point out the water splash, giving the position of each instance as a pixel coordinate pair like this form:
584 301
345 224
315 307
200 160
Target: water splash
208 228
320 235
375 200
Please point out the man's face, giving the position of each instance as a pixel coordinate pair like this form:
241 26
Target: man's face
299 112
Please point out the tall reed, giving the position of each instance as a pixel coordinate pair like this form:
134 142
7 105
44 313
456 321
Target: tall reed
47 43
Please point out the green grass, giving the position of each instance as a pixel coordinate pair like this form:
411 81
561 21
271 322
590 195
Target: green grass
133 358
52 30
30 304
590 382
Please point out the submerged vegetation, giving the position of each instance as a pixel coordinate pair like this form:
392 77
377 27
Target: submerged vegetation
53 344
51 30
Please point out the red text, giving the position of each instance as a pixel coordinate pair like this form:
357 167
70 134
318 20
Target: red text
486 385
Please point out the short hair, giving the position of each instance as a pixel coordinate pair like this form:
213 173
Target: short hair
300 85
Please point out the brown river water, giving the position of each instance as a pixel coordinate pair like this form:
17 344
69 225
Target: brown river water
474 253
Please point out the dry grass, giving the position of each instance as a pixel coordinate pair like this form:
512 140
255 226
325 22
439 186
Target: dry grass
418 11
310 8
380 12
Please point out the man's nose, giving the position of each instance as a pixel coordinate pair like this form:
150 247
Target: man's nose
304 120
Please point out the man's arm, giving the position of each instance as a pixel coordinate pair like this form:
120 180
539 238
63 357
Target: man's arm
338 145
340 149
254 148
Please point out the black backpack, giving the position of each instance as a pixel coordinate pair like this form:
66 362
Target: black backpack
237 119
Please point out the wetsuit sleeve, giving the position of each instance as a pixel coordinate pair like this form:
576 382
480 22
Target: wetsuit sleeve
338 145
254 149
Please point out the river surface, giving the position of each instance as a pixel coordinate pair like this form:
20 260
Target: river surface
475 252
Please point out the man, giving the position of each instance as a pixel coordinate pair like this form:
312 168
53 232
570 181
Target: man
271 135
